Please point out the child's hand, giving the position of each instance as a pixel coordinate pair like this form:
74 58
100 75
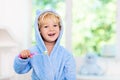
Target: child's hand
25 54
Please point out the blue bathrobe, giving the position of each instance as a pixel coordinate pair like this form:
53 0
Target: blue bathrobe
59 65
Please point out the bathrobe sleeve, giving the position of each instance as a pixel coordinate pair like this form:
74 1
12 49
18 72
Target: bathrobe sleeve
70 69
21 65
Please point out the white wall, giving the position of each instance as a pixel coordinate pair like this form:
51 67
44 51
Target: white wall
16 17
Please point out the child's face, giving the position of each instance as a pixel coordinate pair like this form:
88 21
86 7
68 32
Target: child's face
50 31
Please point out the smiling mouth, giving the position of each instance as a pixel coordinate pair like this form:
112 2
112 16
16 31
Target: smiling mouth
51 34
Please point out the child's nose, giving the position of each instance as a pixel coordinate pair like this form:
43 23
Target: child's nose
51 28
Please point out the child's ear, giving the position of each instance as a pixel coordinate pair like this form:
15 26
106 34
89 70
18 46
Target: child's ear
39 29
60 27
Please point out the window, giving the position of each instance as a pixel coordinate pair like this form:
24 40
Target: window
94 27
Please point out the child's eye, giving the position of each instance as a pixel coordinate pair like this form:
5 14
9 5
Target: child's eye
55 25
45 26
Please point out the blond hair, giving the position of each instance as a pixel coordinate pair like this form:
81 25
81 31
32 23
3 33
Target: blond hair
43 18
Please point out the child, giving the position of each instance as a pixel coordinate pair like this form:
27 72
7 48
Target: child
47 59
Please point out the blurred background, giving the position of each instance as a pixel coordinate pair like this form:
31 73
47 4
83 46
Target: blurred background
90 27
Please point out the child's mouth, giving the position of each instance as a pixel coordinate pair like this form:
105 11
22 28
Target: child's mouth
51 34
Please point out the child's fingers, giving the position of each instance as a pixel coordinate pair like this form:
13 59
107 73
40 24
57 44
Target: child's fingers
25 54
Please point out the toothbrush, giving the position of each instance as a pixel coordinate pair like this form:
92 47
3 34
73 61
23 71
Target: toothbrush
32 54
